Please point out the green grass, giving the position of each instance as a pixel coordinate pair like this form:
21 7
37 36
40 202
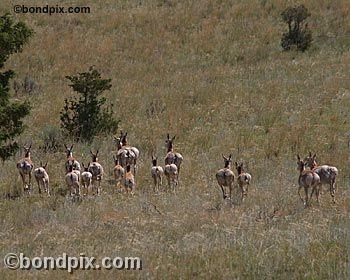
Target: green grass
214 74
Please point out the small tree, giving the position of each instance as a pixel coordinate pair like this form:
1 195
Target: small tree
298 33
86 116
12 38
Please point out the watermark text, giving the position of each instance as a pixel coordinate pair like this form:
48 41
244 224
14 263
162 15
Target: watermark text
51 9
15 261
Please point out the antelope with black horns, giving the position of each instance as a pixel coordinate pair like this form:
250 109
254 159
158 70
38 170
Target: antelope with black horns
226 177
327 173
171 156
308 180
97 171
25 167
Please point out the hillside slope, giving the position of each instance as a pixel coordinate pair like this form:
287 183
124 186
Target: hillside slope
214 74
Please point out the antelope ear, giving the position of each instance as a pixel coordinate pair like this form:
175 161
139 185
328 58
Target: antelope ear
91 152
41 164
236 164
173 138
298 157
168 136
309 154
230 156
314 156
65 146
224 157
71 147
45 166
126 134
30 146
97 152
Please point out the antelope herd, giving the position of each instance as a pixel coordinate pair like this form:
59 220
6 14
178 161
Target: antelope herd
125 166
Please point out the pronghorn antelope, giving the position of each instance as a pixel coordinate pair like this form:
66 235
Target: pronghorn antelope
72 180
171 157
157 173
25 167
327 173
226 177
86 178
96 170
42 178
129 181
308 180
243 179
127 155
71 160
125 145
118 172
171 173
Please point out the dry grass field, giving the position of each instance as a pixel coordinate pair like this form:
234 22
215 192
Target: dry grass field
214 74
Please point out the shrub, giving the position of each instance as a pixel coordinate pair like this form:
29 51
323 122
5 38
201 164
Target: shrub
85 117
52 139
26 87
12 38
298 33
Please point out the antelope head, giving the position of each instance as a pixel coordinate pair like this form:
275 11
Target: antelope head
227 161
94 156
69 151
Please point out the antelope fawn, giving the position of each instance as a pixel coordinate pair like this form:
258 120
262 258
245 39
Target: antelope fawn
157 173
171 156
72 181
171 173
25 167
243 180
129 181
308 180
71 161
86 178
96 170
327 173
226 177
42 178
118 172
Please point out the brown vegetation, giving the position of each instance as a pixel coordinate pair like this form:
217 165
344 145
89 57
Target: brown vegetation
214 74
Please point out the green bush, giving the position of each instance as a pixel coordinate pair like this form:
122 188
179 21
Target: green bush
12 38
298 33
52 139
85 117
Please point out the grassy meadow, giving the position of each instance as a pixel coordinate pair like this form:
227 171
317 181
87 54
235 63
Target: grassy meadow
214 74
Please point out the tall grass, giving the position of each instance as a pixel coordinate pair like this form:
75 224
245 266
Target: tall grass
214 74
